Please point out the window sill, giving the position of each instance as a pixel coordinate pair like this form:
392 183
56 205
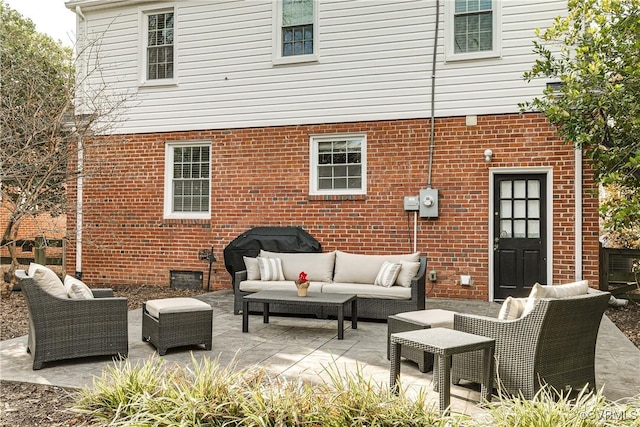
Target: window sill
172 222
295 59
159 83
472 56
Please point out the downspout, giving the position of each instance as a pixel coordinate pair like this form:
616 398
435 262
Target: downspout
578 213
79 214
432 135
80 180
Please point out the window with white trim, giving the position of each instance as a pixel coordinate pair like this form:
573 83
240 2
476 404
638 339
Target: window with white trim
295 31
187 180
472 29
338 164
158 41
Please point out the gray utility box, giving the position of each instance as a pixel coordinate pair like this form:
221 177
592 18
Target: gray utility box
428 203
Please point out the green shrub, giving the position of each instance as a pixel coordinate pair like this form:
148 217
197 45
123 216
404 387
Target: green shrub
204 393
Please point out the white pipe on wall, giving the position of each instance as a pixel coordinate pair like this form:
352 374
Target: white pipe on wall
578 213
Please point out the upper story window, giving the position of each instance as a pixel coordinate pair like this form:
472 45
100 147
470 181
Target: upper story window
187 180
158 41
338 164
472 29
296 31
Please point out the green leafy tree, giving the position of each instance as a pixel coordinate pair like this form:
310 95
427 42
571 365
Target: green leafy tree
41 132
593 54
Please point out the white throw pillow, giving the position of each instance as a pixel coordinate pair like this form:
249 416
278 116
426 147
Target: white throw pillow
566 290
387 274
253 270
270 269
47 280
554 291
407 272
77 289
512 308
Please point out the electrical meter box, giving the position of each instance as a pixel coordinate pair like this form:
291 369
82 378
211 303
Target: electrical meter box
412 203
428 203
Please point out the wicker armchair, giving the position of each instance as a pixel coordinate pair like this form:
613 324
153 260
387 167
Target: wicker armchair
554 344
69 328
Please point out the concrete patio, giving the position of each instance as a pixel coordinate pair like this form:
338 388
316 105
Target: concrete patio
304 347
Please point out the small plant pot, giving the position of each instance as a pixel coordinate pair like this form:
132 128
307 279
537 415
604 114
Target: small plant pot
302 291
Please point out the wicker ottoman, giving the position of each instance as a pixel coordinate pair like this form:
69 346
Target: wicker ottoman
175 322
411 321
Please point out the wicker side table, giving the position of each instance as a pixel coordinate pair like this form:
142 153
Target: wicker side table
444 343
175 322
414 320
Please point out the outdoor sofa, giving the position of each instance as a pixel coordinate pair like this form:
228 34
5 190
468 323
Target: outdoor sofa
384 284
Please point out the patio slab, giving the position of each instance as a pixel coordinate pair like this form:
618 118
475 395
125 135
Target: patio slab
307 347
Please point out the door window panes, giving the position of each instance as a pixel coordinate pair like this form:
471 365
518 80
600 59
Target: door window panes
520 208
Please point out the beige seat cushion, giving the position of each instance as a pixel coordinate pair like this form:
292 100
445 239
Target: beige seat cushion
175 305
77 289
317 265
276 285
47 280
358 268
554 291
436 318
368 291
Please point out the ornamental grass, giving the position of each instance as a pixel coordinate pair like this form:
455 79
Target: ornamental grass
203 393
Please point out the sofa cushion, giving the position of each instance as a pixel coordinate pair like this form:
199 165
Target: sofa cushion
358 268
276 285
408 271
270 269
47 280
387 274
554 291
155 307
77 289
512 308
317 265
368 290
436 318
253 270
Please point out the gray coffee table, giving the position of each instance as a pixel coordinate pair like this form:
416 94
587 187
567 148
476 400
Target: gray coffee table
444 343
291 298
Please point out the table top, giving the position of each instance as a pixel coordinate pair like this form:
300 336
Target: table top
441 339
292 296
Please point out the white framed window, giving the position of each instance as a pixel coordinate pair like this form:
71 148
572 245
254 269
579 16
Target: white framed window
187 180
158 46
338 164
472 29
295 31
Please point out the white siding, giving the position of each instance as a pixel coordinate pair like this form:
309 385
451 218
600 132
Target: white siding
375 64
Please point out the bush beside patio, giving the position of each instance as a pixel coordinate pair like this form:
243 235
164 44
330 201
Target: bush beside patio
204 393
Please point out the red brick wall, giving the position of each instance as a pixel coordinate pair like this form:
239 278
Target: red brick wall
260 178
32 227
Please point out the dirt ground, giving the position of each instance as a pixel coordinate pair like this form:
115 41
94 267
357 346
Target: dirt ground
25 404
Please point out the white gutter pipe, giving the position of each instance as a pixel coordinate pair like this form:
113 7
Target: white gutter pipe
80 160
578 213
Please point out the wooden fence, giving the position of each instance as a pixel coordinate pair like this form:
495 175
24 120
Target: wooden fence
36 251
617 273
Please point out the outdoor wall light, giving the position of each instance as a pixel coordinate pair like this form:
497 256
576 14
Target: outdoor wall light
488 154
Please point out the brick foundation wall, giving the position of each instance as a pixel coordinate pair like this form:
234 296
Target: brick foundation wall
260 178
